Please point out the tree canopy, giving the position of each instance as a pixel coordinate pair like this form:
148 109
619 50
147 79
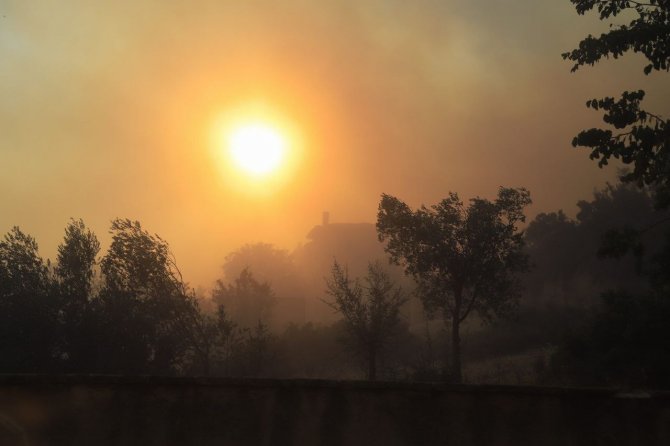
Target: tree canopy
143 302
463 258
248 300
640 138
28 313
74 273
624 342
648 33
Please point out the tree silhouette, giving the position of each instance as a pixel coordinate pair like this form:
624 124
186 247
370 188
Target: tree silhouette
463 258
642 137
371 311
247 300
269 264
28 312
143 303
76 261
212 341
74 272
622 343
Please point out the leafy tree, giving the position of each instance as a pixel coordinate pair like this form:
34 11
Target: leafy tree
28 314
76 261
552 240
371 312
622 219
624 344
567 254
22 270
463 258
140 262
255 351
643 137
74 273
268 264
145 305
277 268
640 139
213 340
248 300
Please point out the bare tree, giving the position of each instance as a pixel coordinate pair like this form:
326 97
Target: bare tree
371 310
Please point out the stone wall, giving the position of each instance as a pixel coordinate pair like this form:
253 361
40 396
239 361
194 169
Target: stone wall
95 410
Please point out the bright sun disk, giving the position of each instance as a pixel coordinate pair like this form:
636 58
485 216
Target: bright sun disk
256 148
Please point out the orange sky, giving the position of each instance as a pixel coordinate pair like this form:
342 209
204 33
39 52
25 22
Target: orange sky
106 111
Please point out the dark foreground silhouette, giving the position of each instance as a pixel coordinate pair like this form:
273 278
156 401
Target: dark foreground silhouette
96 410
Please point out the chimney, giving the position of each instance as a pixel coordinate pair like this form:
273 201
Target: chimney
325 218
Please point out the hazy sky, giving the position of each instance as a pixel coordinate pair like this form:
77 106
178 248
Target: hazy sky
107 110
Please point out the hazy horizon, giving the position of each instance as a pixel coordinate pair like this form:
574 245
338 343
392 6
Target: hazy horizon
108 112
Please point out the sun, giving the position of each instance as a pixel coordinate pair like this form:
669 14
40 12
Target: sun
256 148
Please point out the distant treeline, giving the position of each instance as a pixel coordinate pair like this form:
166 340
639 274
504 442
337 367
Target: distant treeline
130 311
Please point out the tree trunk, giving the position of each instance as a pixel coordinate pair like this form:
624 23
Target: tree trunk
456 374
206 365
372 365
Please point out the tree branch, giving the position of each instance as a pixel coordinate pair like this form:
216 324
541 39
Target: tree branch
469 308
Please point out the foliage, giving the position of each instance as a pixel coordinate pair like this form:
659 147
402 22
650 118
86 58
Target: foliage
625 344
28 314
553 242
616 342
644 143
22 270
247 300
144 319
256 351
213 341
567 254
267 262
371 312
139 262
463 258
648 33
76 260
530 328
144 306
74 273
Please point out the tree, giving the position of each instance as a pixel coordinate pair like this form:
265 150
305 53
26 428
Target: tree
463 258
268 264
255 351
624 344
371 312
212 341
277 268
623 334
567 254
145 306
76 261
643 139
28 314
248 300
74 273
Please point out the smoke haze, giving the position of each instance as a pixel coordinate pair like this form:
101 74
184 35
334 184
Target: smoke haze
106 110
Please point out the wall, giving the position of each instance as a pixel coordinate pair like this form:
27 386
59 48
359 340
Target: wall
90 410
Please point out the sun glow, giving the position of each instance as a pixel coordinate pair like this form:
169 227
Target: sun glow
257 148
